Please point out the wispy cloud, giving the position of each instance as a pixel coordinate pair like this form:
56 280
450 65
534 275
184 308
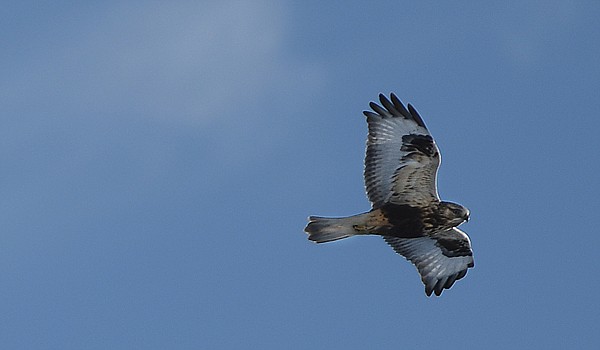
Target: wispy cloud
92 72
192 62
100 101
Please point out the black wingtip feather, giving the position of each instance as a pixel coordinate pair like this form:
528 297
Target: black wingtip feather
439 287
388 105
393 106
450 281
416 116
369 114
377 108
399 106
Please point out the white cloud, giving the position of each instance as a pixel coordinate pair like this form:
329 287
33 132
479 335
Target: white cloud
194 63
91 87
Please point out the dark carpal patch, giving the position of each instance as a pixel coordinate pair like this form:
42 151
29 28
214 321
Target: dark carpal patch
453 247
405 220
418 143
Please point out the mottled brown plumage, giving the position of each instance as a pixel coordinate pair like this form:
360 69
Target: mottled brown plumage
401 165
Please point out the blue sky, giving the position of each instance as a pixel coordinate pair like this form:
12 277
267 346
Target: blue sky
159 161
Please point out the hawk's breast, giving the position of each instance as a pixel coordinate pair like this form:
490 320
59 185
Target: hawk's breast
404 220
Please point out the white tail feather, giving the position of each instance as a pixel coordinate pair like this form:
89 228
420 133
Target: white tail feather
322 230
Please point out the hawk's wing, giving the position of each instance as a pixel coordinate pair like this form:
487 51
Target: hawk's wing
441 259
402 158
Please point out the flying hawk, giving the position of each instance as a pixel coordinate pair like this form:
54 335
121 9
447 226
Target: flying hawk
400 178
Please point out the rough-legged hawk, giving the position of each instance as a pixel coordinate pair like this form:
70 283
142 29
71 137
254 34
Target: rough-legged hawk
400 178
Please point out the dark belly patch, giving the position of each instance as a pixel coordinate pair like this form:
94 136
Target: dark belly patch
404 220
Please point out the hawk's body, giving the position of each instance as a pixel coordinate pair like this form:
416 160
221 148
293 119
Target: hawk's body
400 178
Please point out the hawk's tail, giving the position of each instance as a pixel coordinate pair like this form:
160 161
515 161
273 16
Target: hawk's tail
322 230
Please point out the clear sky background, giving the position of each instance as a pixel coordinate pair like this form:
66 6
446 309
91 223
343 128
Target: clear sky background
159 160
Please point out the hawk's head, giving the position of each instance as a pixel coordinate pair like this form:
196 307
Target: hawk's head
455 214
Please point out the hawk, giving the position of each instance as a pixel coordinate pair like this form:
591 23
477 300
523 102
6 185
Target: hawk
401 165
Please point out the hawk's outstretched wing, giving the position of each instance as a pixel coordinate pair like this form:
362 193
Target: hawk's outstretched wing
441 259
402 158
